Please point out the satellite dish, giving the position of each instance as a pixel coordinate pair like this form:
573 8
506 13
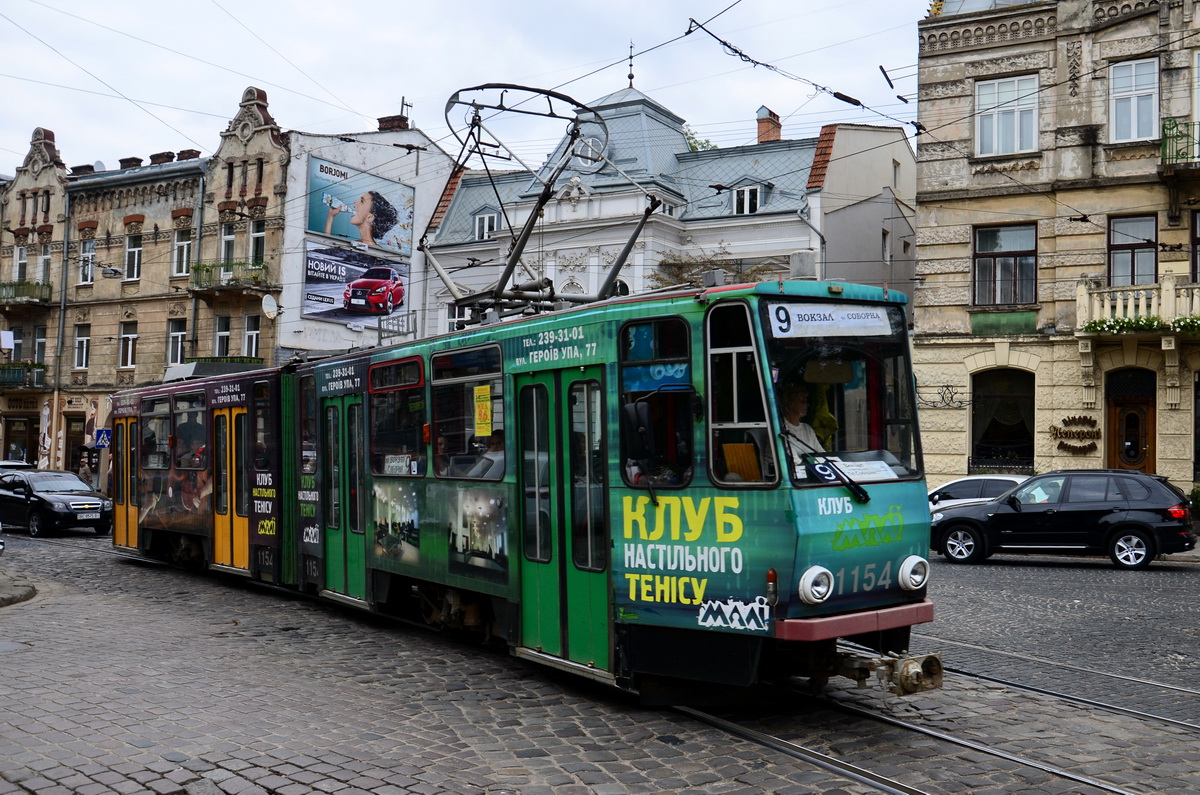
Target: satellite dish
270 307
98 165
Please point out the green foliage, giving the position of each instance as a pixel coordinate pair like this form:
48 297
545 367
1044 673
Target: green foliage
1188 326
695 142
1123 325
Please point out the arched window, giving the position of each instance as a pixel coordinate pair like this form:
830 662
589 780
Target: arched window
1002 422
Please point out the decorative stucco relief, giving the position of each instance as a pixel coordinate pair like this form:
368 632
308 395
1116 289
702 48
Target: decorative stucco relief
948 38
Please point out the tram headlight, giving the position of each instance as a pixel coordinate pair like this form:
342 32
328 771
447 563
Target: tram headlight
816 585
914 573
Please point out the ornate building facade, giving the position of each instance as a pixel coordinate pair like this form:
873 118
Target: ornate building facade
1058 306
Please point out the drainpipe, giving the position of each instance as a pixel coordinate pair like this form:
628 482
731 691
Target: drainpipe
56 421
195 260
802 214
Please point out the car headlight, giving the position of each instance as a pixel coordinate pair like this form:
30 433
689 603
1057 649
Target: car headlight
106 505
936 517
816 585
914 573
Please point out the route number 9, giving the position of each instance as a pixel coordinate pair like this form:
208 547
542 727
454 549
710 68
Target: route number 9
783 320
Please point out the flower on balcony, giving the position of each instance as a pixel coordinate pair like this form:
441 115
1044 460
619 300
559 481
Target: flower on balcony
1187 325
1124 325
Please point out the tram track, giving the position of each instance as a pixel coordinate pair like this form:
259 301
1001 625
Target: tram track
838 765
1140 695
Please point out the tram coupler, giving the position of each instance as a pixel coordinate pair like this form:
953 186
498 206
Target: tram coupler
901 674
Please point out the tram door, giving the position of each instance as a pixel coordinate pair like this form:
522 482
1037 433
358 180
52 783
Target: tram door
124 482
341 472
565 540
231 492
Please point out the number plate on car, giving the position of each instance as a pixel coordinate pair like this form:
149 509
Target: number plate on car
358 300
95 515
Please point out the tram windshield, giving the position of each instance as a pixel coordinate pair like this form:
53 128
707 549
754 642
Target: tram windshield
844 392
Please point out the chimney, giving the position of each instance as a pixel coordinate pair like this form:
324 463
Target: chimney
158 158
769 125
188 154
130 162
391 123
79 171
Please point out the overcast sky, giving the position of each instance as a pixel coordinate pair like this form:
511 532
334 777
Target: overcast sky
128 78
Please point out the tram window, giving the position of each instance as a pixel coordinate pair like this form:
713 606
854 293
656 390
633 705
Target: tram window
190 435
657 416
589 531
739 442
156 433
261 432
397 419
468 414
537 529
309 425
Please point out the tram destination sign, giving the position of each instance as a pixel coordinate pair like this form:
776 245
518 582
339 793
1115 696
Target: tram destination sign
828 320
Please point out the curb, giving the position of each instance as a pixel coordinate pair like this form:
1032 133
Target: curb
12 592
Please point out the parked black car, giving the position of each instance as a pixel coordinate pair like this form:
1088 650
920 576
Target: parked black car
1130 516
42 500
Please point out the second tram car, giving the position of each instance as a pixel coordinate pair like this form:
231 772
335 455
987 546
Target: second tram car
630 490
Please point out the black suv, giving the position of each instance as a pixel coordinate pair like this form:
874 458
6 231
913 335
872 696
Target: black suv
1130 516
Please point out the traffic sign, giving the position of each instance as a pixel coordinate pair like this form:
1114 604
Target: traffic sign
103 437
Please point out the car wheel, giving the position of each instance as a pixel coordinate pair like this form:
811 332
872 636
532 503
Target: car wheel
35 525
389 304
1131 549
104 529
963 545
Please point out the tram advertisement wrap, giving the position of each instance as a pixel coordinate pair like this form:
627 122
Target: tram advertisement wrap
700 559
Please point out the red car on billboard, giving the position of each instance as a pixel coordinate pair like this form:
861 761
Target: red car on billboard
377 290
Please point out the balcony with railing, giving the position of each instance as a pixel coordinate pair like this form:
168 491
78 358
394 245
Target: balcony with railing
1166 307
237 275
22 375
25 292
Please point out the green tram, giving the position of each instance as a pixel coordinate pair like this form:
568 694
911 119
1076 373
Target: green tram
706 485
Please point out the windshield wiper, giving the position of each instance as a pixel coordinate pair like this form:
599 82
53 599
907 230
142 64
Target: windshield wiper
860 494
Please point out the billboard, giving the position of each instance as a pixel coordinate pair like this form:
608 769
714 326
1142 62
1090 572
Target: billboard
351 286
361 207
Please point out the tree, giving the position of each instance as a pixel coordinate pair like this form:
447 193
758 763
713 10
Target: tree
675 268
695 142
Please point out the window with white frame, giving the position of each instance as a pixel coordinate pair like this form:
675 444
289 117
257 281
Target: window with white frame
228 243
20 263
1132 250
258 242
221 342
1005 265
133 257
250 339
455 315
181 256
1006 116
39 344
128 349
83 345
44 263
87 261
745 200
1133 101
485 226
18 351
176 341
